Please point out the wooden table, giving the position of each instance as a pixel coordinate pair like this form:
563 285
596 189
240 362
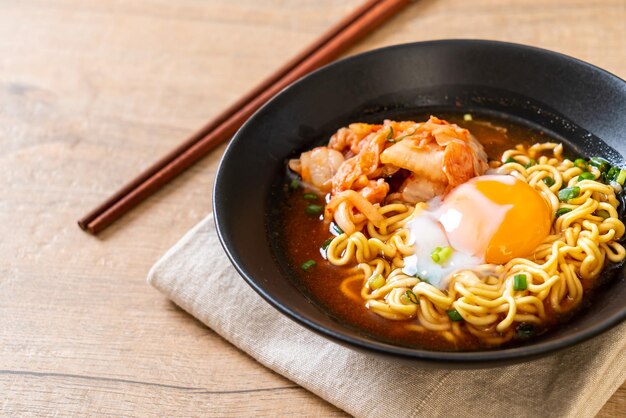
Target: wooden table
93 91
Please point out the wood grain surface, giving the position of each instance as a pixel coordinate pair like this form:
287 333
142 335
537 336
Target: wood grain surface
93 91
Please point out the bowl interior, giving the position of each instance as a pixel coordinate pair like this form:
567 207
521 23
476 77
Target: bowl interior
581 105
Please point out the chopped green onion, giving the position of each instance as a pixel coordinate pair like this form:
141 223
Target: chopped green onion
308 265
531 163
510 160
310 196
390 135
549 181
569 193
314 210
454 315
441 254
326 243
599 162
524 330
412 297
586 176
334 228
604 214
612 173
445 254
409 297
617 175
376 282
467 117
519 282
580 163
562 211
295 183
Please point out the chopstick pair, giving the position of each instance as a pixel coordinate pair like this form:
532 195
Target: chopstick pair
329 46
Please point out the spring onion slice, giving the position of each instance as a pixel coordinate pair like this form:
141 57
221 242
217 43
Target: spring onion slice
334 229
531 163
569 193
611 175
310 196
524 330
376 281
562 211
411 297
582 164
454 315
326 243
600 163
441 254
313 209
549 181
586 176
604 214
519 282
307 265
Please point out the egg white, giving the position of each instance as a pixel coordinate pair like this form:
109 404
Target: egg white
426 235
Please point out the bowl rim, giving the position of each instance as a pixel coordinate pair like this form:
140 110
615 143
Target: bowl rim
477 358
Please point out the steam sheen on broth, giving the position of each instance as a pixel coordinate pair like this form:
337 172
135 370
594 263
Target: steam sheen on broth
417 235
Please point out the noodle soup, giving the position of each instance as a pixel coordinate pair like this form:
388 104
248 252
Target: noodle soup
453 234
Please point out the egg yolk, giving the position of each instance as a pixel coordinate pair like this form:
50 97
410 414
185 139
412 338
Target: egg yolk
497 217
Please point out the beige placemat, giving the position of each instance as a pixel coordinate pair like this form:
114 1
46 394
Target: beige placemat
197 276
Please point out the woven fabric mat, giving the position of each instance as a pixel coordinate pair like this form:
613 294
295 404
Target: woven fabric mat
197 275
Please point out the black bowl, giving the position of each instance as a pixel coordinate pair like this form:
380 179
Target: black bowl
576 102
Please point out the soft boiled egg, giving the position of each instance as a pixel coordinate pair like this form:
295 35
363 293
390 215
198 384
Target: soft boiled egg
489 219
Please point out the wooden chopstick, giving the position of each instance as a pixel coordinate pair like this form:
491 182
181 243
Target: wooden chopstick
336 40
220 118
